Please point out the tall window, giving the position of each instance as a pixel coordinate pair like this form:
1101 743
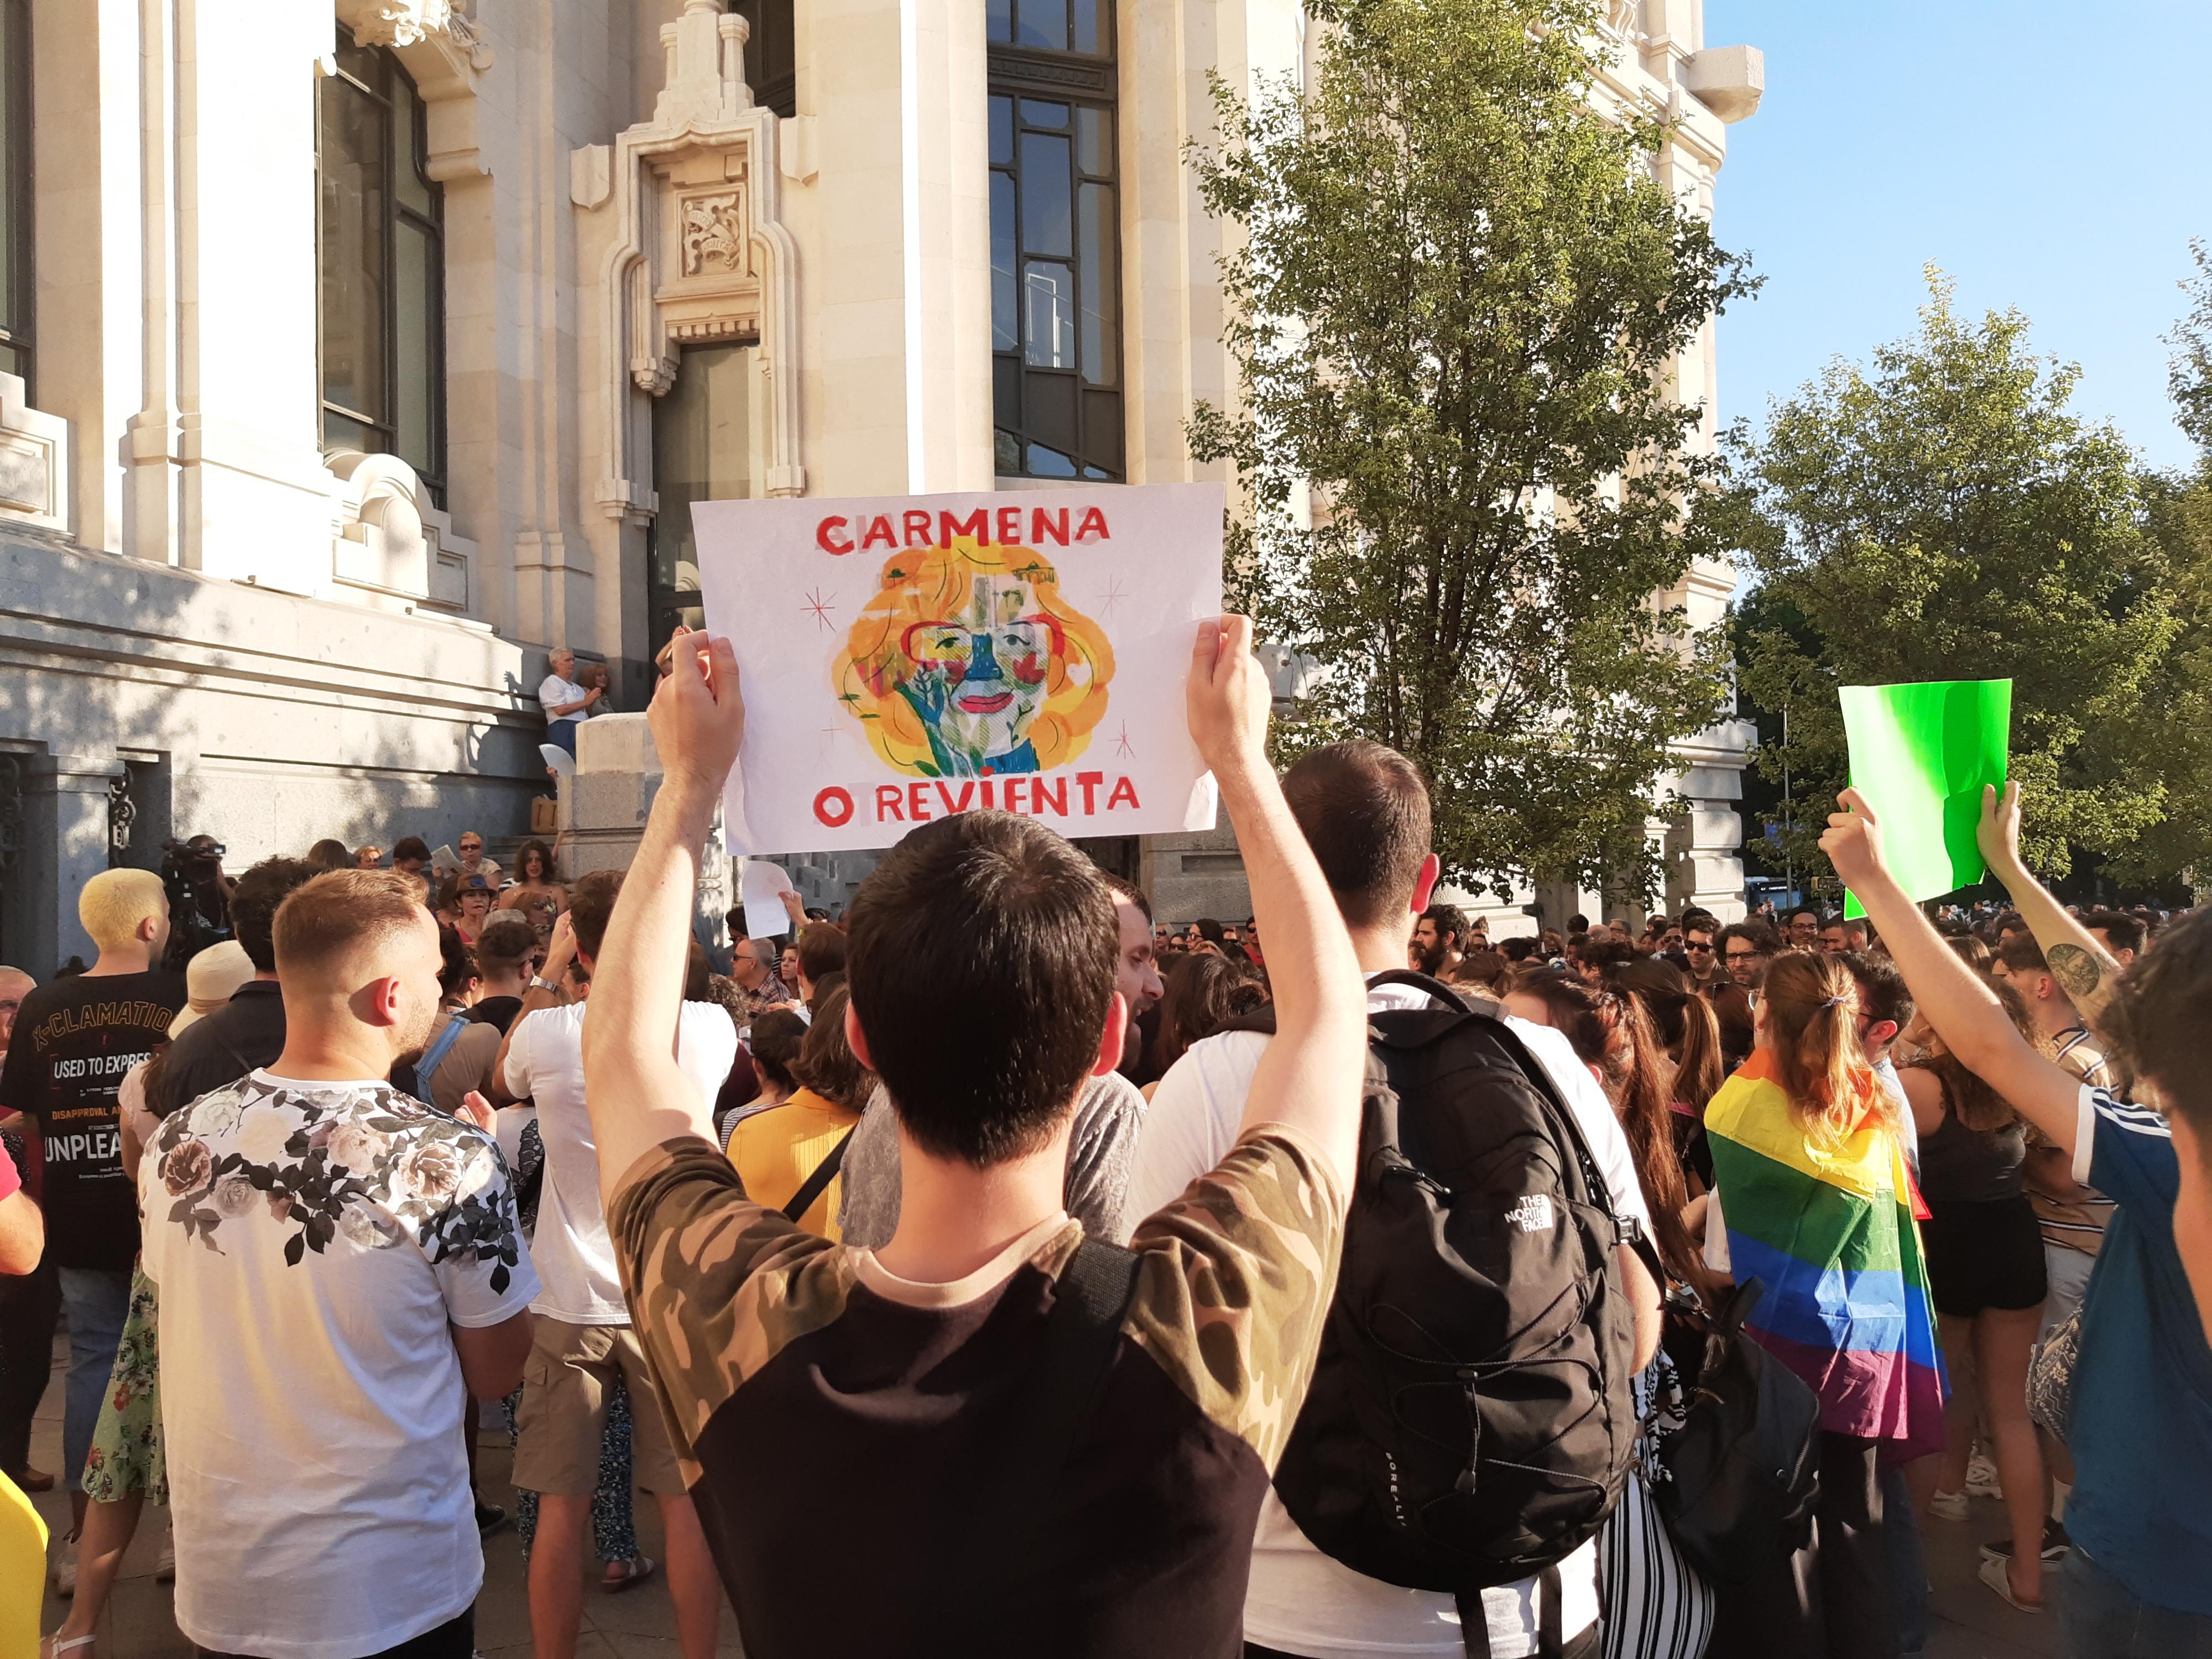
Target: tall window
702 452
17 285
380 233
771 53
1055 241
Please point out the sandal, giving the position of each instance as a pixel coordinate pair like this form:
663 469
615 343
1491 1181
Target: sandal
1998 1574
53 1647
632 1573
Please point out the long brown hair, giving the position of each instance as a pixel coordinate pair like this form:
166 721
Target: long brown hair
1812 1007
826 1062
1208 993
1610 1030
522 862
1686 1024
1976 1105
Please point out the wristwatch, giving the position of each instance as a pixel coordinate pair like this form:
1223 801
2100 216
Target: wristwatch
539 983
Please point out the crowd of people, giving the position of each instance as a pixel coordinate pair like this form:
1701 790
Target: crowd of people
1339 1282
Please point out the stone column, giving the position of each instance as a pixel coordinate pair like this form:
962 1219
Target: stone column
255 503
897 303
96 200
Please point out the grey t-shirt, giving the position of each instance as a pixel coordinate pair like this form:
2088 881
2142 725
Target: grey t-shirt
1099 1150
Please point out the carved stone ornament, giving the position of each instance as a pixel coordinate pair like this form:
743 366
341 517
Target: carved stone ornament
699 253
446 55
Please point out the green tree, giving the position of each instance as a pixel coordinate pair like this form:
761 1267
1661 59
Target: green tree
1943 515
1457 293
2175 724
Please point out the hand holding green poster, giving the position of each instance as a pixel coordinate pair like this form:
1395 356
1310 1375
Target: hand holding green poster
1920 755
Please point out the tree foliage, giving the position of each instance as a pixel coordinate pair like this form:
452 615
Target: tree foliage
1943 515
1455 303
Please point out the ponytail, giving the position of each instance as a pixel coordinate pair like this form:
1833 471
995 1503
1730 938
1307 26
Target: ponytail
1812 1019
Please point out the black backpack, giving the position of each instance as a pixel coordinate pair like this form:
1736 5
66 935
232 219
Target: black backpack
1469 1423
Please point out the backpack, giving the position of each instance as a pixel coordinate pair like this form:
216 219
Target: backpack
1470 1422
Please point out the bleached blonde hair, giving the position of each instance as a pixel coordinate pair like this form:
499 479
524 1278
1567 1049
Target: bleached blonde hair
114 902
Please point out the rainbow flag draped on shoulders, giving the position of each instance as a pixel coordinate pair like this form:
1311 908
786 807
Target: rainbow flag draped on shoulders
1830 1232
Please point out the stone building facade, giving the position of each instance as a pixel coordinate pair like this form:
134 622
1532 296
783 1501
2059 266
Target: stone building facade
362 350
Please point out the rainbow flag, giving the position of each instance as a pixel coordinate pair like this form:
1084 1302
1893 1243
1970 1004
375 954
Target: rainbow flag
1831 1234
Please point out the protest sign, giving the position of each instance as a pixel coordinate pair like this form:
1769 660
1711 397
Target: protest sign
906 658
1921 755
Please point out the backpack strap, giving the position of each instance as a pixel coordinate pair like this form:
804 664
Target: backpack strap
440 1047
825 1173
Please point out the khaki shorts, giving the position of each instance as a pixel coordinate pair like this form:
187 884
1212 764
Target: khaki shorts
565 1385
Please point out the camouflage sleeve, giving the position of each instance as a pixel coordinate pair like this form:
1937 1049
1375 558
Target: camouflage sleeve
717 1285
1236 1278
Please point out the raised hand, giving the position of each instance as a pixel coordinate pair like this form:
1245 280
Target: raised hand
1228 697
698 716
1852 840
1998 834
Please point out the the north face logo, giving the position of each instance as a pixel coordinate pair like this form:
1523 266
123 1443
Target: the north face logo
1533 1214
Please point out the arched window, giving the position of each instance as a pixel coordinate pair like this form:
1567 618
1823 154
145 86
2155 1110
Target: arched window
381 266
18 286
1056 239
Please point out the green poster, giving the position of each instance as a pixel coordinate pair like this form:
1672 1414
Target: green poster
1920 755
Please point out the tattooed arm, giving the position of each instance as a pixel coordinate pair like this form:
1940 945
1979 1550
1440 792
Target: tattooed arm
2080 965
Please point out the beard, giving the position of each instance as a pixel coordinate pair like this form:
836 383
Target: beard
1430 957
415 1035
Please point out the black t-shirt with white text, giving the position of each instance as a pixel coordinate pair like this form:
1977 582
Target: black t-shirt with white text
73 1040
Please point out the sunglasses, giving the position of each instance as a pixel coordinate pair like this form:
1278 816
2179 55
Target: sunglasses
1704 949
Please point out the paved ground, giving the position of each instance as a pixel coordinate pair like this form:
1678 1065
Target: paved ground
1971 1623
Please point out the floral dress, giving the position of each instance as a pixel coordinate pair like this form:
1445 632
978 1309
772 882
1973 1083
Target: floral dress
127 1445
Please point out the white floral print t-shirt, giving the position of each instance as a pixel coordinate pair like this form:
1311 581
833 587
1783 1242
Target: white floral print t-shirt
311 1242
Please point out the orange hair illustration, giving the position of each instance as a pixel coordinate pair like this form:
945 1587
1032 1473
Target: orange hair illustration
969 663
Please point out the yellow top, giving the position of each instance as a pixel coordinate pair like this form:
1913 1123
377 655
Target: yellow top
776 1150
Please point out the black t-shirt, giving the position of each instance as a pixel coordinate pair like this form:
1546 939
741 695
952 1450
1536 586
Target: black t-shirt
496 1011
73 1040
244 1034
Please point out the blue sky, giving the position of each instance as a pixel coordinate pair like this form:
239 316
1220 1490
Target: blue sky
2050 156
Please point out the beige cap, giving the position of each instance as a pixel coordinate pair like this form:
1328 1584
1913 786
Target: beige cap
212 979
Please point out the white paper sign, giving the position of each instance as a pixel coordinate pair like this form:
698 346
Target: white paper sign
913 656
761 888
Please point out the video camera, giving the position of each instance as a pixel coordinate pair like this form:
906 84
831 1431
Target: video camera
199 902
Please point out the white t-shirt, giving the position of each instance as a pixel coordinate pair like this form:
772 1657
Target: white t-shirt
545 1061
554 693
1299 1599
311 1395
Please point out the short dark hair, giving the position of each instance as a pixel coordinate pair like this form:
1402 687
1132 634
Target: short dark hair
1758 933
1364 809
590 906
2020 954
820 950
1811 910
1448 919
2122 932
254 904
1883 993
1694 916
775 1039
410 847
2161 1019
983 954
503 946
1129 890
1517 949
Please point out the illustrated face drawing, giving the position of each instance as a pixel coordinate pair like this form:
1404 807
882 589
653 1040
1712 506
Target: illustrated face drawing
967 663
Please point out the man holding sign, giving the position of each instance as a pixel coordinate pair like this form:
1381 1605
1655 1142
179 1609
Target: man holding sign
1066 1443
911 657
